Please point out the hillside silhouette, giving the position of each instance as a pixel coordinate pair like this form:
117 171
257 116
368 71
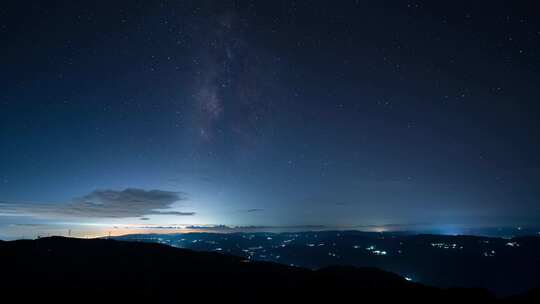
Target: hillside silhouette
82 270
503 266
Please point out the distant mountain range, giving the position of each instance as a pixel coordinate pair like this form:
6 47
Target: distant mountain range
80 270
503 266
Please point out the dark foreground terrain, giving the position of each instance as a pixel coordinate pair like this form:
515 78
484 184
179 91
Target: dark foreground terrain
77 270
504 266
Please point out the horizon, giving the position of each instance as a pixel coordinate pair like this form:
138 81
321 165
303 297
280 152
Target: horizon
128 230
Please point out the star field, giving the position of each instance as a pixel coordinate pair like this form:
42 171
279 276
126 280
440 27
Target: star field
281 113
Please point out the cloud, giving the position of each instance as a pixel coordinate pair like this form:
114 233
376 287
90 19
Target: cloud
254 210
255 228
28 225
130 202
175 213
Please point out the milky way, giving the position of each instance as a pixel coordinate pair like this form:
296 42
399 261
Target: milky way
233 81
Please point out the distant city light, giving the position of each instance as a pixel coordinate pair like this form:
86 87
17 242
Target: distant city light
489 253
446 246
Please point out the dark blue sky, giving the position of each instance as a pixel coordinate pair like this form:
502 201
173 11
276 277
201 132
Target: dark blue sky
269 113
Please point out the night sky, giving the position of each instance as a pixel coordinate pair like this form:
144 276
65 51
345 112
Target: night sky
295 114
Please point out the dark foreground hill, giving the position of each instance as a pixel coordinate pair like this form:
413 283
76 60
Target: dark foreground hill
504 267
106 270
